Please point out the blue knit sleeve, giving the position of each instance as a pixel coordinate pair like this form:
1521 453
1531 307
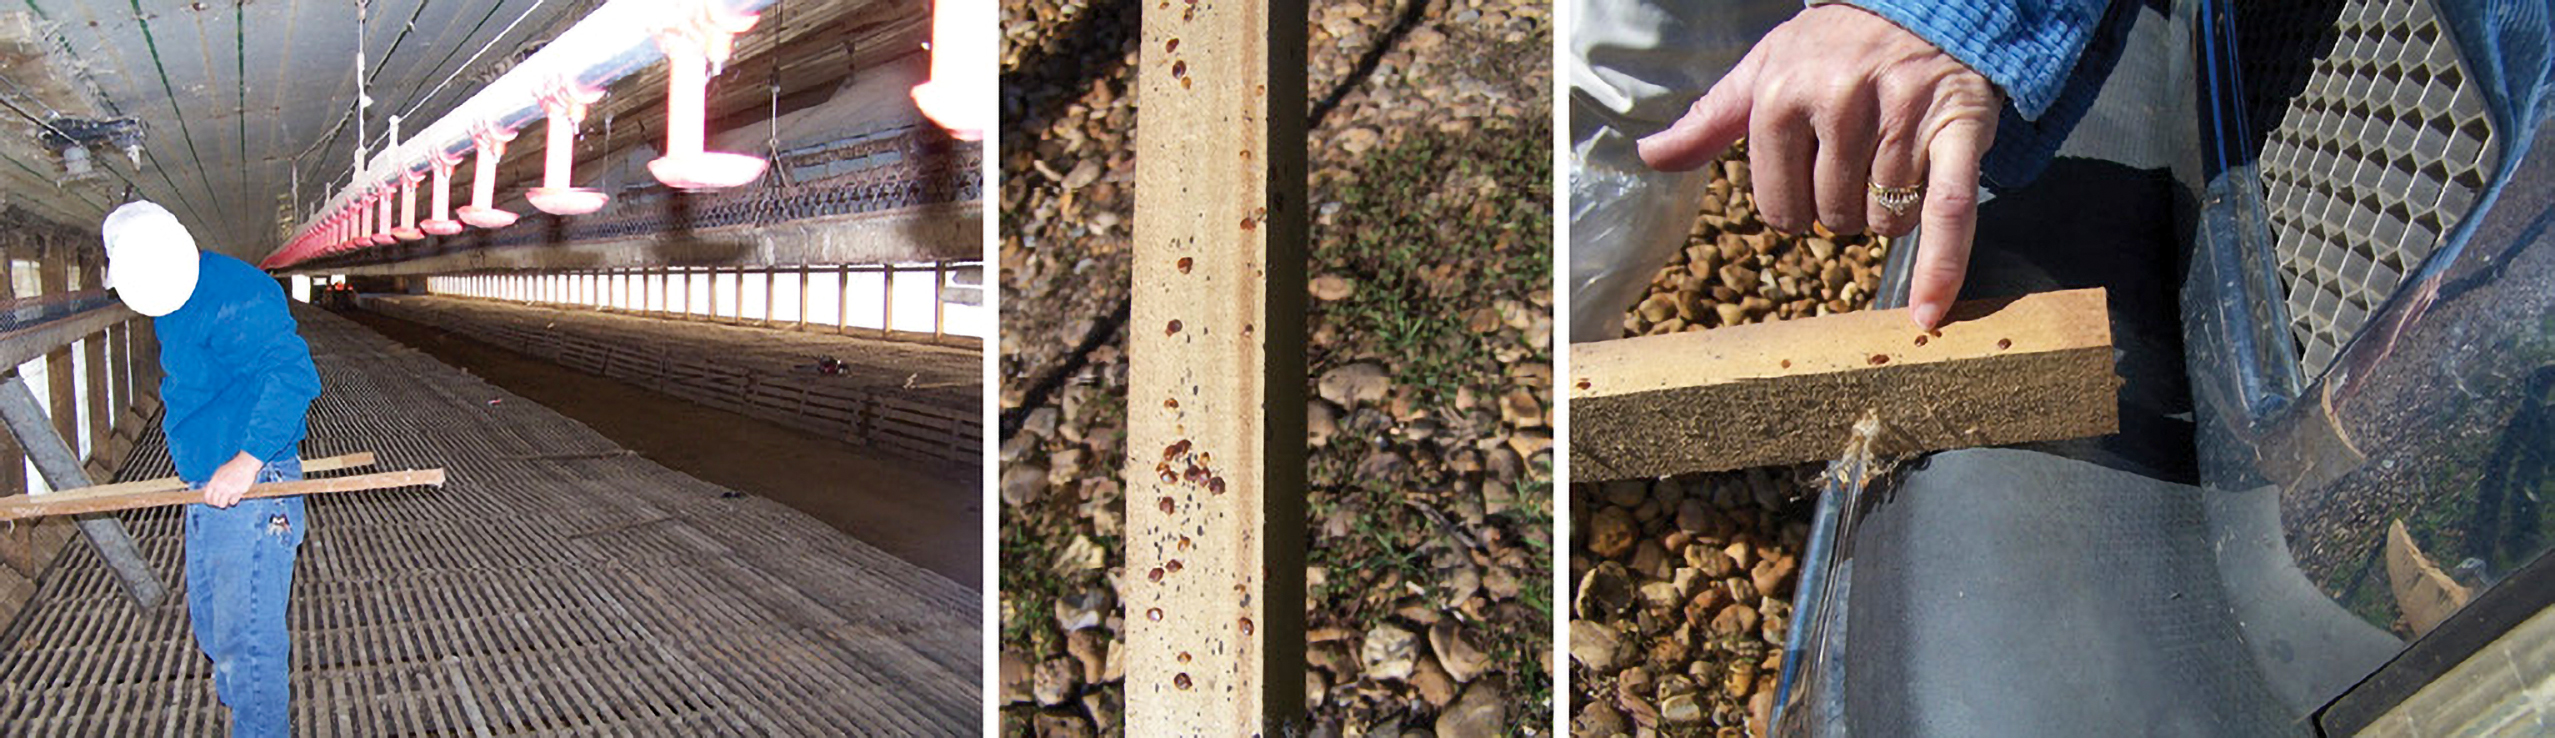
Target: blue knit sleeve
278 364
2050 57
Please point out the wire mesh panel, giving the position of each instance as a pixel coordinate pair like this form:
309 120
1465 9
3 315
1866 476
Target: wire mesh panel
2375 142
897 168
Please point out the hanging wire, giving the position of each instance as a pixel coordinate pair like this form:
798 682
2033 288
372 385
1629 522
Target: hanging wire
360 138
362 100
474 57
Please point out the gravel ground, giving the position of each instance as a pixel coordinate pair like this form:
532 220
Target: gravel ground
1429 597
1734 270
1683 585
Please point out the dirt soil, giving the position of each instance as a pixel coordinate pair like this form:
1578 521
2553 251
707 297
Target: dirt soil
931 517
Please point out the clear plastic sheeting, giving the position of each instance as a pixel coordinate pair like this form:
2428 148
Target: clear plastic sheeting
1624 224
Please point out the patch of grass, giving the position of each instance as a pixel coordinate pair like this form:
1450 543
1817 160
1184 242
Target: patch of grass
1432 229
1028 590
1524 654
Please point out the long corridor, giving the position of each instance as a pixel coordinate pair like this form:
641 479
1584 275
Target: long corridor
557 583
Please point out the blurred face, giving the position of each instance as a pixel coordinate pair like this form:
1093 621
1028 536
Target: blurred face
151 259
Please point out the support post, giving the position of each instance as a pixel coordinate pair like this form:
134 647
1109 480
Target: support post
61 469
1215 644
60 376
101 420
843 301
18 542
802 297
887 301
770 280
940 308
120 337
146 366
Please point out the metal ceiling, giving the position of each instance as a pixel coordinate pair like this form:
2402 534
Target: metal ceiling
237 97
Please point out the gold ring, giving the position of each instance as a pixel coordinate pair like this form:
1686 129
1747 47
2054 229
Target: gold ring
1897 199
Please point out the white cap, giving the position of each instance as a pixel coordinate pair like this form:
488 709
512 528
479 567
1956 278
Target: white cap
150 258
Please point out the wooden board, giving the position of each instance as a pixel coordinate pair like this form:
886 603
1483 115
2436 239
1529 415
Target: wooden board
34 506
2001 371
313 466
1215 399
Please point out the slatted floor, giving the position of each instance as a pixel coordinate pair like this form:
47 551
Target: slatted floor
557 585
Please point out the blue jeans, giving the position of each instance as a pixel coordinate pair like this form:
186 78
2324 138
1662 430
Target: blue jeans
239 577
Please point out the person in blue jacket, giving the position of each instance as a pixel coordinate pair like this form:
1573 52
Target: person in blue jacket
239 382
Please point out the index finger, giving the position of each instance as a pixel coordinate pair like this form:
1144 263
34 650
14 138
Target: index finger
1715 121
1949 222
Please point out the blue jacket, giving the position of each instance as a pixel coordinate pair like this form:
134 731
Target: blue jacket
238 377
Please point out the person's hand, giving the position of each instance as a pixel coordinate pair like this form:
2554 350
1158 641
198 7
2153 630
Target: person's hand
1836 104
230 482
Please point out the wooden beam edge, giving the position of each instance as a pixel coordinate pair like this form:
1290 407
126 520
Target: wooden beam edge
2014 370
22 507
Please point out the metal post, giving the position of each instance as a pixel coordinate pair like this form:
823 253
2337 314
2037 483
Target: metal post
940 308
887 302
61 469
843 301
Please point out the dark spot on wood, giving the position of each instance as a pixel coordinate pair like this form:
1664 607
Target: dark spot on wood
2004 343
1879 359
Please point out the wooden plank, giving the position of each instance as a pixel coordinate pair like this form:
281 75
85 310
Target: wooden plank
1215 468
312 466
2010 370
62 392
94 376
22 507
18 547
